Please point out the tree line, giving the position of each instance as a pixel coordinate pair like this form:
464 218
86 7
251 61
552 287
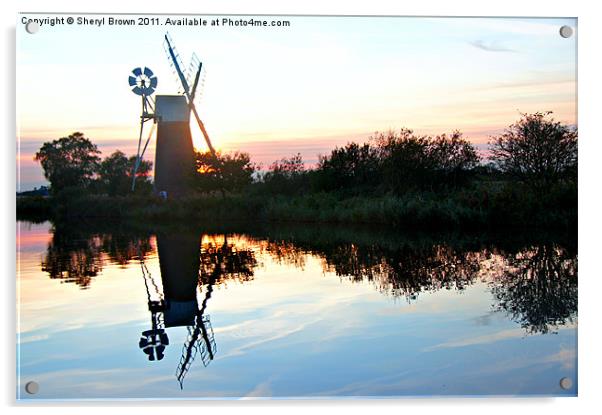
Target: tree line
536 151
73 164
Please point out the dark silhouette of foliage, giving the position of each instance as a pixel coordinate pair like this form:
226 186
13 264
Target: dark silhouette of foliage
72 260
352 165
222 262
115 175
288 167
534 283
537 149
405 271
75 254
286 176
398 162
69 162
230 172
401 270
397 178
538 289
454 157
122 249
423 162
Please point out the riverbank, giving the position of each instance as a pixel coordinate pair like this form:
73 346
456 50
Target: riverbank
479 207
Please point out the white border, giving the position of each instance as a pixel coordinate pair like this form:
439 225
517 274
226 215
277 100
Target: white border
589 72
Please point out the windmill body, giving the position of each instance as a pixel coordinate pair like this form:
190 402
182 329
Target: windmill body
174 155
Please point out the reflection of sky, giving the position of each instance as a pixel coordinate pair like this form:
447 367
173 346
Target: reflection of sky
305 88
288 332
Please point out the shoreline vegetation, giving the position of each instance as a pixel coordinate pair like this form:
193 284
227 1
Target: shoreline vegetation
474 209
396 179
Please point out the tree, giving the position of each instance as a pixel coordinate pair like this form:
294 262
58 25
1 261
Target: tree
285 176
288 167
410 161
452 157
69 162
228 172
115 174
236 171
537 149
354 165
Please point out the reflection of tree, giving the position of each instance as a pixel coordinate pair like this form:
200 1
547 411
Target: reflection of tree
538 288
75 255
222 262
123 249
285 253
405 271
536 284
73 260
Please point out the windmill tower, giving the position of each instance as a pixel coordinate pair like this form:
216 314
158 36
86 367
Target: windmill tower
174 156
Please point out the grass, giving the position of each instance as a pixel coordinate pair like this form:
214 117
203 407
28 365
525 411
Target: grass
482 205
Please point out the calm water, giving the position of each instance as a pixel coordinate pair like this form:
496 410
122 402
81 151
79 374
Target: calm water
109 312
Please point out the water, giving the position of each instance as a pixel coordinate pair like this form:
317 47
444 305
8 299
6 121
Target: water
106 311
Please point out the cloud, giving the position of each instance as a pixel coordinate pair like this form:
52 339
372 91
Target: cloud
488 338
280 335
490 46
565 356
262 390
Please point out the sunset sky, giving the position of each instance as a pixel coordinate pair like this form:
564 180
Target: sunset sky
276 91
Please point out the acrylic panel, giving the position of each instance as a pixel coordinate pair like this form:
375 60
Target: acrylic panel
295 206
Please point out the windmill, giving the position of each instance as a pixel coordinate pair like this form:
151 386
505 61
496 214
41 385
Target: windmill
174 155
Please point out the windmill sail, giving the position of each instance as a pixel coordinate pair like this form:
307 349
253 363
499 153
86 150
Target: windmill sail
200 341
174 58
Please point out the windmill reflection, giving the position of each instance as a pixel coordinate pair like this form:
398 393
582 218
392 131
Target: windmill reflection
189 271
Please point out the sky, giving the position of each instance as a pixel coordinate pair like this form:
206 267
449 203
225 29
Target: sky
309 87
